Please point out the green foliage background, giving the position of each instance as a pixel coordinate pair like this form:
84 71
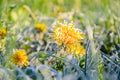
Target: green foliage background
99 18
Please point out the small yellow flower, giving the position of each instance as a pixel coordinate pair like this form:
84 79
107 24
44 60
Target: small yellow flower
40 27
19 57
69 36
66 33
2 33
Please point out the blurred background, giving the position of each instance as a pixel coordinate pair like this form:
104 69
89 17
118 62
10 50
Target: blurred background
100 12
99 18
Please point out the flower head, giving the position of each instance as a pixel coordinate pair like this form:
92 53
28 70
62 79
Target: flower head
40 27
19 57
2 33
66 33
69 36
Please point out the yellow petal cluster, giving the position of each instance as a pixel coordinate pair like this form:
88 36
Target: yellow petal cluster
69 36
76 49
2 33
66 33
19 57
40 27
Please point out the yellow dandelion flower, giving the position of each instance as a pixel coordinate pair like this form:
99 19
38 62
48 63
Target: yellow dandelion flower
40 27
19 57
2 33
69 36
66 33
